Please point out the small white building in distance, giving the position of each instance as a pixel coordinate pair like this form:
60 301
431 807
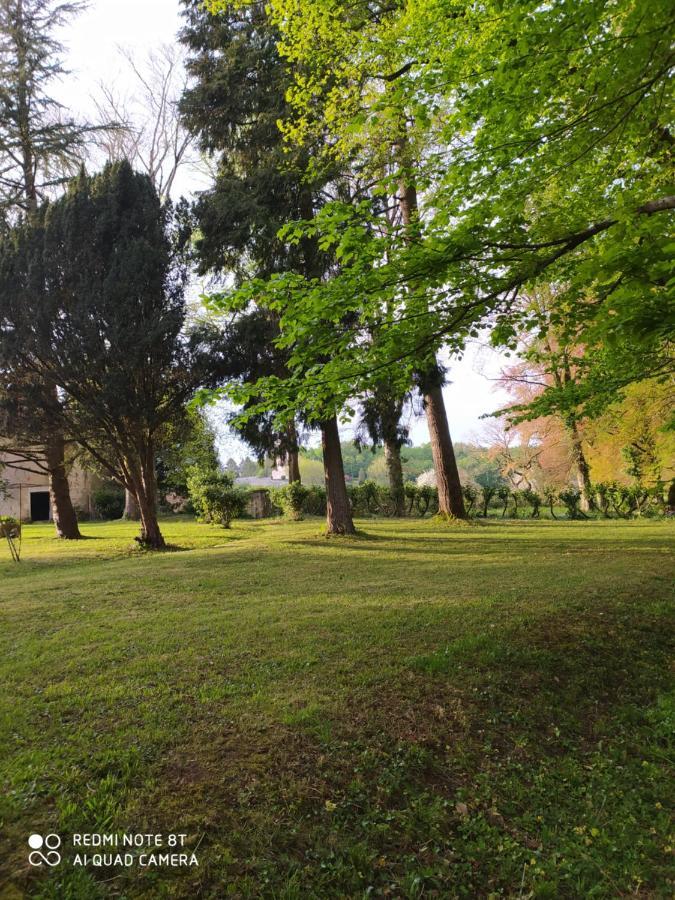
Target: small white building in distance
24 494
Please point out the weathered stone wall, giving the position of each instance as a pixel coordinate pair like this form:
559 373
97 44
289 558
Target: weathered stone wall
20 484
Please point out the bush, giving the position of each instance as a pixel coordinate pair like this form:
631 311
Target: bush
109 502
504 495
470 497
315 501
214 496
571 499
487 492
290 499
534 500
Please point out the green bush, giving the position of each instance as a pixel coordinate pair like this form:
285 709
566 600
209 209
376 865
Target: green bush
109 502
470 494
571 498
290 499
214 496
504 494
315 501
534 500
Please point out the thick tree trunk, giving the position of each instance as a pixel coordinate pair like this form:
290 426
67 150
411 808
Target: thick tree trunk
293 457
338 509
144 483
131 510
583 469
65 518
392 458
450 499
294 466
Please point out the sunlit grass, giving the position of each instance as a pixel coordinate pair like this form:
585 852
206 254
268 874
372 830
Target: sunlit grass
418 709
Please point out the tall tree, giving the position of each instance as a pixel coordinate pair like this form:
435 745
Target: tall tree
529 175
93 304
260 186
39 145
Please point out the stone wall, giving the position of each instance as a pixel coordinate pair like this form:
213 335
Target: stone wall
20 484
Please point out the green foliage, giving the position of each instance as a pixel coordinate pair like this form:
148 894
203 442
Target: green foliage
315 501
470 497
535 500
572 500
214 497
291 499
109 502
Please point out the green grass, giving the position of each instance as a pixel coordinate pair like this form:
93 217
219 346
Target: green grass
419 711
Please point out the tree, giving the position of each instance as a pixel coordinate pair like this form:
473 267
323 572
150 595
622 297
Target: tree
145 127
259 187
39 146
540 135
93 305
184 442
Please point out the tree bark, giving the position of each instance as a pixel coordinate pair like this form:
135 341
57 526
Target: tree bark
131 510
583 469
65 518
144 484
293 457
338 509
392 458
450 499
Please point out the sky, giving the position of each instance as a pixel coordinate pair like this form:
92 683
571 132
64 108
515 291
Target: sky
93 41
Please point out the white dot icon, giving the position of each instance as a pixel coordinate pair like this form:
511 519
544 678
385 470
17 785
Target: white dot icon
35 841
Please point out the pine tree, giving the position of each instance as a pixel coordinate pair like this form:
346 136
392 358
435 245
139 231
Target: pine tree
259 187
39 145
92 298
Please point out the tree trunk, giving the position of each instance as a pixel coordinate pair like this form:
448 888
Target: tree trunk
65 518
294 467
583 469
144 483
293 458
338 509
450 499
392 458
131 510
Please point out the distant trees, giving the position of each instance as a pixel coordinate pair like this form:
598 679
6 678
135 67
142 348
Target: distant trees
93 305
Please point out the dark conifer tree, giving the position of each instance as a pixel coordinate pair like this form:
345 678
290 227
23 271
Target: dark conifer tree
92 303
233 107
39 145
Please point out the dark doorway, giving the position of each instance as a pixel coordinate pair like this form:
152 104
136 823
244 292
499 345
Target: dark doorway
39 506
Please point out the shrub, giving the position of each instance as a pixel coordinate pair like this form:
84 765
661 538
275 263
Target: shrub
109 502
487 493
214 496
315 501
534 500
290 499
10 529
550 497
571 499
470 497
504 494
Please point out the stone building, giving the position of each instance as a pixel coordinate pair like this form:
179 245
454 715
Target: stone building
25 495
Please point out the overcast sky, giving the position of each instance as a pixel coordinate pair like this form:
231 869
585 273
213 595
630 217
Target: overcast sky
93 41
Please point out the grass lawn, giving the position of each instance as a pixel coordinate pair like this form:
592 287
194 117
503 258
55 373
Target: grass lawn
420 711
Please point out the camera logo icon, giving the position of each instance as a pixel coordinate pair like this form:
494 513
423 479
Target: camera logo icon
50 844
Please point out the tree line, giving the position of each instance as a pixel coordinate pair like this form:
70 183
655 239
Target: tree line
388 180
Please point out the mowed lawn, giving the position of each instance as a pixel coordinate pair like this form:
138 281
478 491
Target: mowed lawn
420 711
